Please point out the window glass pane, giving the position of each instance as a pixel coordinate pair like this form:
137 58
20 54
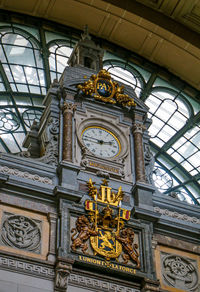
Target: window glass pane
155 127
187 149
195 159
22 88
166 110
166 133
177 121
177 157
10 142
153 103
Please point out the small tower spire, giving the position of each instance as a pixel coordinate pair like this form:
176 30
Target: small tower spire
85 35
86 53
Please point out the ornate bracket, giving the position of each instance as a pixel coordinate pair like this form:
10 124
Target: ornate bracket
63 271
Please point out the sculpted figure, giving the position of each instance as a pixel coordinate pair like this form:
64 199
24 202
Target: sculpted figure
126 237
85 231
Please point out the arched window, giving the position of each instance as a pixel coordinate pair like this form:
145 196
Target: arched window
60 52
169 113
22 61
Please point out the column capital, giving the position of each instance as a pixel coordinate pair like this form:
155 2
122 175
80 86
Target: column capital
138 128
68 107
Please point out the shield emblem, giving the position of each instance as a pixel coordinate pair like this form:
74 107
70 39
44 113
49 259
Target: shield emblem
104 88
106 244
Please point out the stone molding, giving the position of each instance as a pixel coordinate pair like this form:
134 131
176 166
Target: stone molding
177 215
26 175
94 283
26 267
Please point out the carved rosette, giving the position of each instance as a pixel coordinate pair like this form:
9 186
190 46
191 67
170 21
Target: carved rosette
138 130
21 232
68 110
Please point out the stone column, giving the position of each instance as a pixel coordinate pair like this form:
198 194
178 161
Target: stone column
138 130
68 110
63 270
52 217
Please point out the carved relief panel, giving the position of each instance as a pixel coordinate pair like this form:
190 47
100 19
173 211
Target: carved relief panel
177 269
23 232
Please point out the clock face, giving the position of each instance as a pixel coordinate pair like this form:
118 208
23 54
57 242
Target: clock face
101 142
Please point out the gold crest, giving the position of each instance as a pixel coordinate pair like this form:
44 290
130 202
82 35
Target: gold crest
101 87
104 226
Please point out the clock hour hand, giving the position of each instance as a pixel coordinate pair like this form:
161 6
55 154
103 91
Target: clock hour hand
105 142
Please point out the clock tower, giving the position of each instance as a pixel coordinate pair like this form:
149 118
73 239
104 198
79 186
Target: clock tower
94 130
78 209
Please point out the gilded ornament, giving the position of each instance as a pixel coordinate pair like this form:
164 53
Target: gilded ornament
104 226
84 230
101 87
126 238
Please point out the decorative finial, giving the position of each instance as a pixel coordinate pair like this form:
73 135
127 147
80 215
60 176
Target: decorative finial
85 35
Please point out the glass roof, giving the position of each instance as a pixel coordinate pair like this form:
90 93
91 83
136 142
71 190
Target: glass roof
32 57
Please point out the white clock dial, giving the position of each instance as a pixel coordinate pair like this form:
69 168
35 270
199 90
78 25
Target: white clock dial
101 142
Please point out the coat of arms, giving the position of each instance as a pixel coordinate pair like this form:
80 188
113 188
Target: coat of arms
104 226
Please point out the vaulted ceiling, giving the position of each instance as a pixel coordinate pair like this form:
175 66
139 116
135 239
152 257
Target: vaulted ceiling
163 31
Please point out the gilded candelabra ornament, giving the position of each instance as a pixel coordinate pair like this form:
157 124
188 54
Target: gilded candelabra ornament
102 88
104 226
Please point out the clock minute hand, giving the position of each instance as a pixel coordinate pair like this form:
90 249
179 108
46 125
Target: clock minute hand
91 138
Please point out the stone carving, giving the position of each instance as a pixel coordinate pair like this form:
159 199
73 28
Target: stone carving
26 267
149 163
180 273
126 238
97 284
25 174
51 142
21 232
62 272
176 215
150 285
85 230
61 279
